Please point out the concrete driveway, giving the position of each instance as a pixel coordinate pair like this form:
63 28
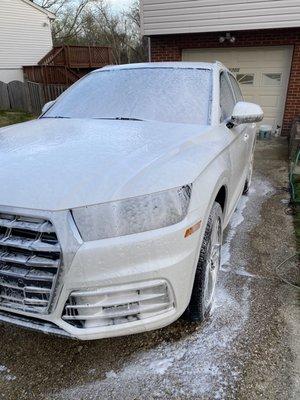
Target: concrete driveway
248 350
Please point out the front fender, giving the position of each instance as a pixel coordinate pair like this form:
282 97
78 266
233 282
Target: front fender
207 186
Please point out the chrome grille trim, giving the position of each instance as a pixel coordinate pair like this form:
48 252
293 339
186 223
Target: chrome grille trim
30 259
27 244
18 222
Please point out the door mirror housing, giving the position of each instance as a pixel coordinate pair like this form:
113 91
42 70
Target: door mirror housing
245 113
47 106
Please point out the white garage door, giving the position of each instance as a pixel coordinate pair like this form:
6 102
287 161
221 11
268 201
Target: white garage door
263 74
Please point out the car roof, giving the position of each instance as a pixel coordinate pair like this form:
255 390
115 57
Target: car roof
184 65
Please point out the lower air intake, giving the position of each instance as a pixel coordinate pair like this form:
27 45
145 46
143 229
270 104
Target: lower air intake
117 305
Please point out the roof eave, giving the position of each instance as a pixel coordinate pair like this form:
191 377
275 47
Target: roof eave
49 14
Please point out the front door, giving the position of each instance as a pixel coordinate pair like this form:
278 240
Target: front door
239 147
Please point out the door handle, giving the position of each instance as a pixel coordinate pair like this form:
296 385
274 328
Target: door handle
246 137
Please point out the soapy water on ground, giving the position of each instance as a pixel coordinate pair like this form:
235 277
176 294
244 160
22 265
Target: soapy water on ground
199 364
5 374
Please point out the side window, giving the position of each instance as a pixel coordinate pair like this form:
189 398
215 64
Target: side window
236 89
227 100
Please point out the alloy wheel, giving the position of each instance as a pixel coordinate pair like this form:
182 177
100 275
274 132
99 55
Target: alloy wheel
213 264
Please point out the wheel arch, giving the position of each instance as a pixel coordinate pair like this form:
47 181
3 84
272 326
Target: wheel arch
222 196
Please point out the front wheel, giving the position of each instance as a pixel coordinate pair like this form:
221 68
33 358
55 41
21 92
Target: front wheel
207 268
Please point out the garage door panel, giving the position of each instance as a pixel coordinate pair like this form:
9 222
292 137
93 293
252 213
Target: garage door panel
269 111
262 72
246 56
271 101
268 121
250 99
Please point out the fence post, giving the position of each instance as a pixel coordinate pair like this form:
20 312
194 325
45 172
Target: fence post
90 56
110 56
42 96
17 95
68 56
4 97
28 104
28 96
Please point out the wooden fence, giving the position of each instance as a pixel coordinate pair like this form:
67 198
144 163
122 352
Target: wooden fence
51 74
28 96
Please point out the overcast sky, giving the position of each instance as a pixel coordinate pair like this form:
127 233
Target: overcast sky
119 4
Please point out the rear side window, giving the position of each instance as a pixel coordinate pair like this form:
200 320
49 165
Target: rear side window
236 89
227 100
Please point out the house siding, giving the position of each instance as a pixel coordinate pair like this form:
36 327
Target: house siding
169 48
25 37
187 16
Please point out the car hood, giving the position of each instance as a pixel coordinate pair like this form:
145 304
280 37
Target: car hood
56 164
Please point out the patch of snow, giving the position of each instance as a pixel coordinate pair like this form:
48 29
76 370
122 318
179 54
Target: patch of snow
236 219
261 189
284 201
225 254
111 375
161 366
9 377
238 271
243 272
92 371
5 374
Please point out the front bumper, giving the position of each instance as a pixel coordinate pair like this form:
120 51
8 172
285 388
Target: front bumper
164 254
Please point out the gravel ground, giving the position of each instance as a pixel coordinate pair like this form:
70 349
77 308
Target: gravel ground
249 349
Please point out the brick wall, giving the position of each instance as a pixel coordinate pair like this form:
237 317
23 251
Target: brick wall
169 48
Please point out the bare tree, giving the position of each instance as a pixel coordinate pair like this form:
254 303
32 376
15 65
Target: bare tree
136 42
119 30
69 15
92 22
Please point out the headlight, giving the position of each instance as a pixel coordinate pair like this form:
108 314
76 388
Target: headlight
133 215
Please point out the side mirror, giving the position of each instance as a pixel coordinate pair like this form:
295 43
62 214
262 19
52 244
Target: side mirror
245 113
47 106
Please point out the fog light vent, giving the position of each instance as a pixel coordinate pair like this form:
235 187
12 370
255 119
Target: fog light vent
118 304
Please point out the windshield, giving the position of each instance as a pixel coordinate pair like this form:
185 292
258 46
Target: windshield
157 94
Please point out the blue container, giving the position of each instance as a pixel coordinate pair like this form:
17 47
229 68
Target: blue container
265 132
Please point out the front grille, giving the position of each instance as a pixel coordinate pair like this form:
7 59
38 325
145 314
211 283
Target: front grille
30 257
118 305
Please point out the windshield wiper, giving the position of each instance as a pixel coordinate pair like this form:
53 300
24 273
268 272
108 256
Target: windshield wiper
120 118
128 119
57 117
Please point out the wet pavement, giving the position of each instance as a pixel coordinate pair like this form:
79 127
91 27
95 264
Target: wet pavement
249 349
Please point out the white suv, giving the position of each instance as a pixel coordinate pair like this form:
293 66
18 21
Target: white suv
113 202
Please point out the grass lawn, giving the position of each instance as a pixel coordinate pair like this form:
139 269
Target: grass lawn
13 117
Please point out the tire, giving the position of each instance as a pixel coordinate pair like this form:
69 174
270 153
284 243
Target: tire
249 177
204 285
